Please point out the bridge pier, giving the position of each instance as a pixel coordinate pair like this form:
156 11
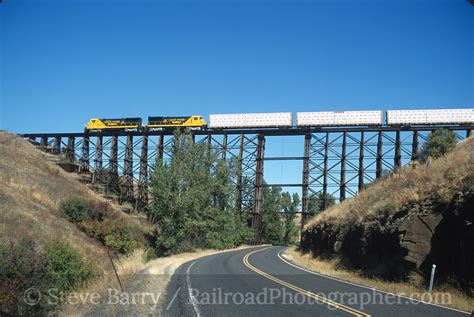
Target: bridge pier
342 182
209 146
56 145
70 149
305 213
44 142
397 161
142 200
238 198
224 147
159 149
325 172
378 159
258 200
468 133
84 167
127 192
360 185
113 178
98 173
414 146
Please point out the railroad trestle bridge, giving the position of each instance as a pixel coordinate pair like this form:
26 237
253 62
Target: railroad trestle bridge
339 161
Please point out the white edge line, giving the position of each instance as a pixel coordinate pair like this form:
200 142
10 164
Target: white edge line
191 297
221 252
366 287
173 299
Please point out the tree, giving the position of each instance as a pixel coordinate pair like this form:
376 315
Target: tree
440 142
272 226
278 216
290 207
316 202
193 202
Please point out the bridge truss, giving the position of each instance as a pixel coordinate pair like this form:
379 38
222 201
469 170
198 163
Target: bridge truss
337 161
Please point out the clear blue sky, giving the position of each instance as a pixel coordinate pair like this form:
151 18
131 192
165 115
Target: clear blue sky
66 61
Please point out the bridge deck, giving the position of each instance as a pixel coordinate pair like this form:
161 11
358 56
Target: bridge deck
266 132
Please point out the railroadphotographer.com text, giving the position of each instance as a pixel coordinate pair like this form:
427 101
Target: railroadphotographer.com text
333 300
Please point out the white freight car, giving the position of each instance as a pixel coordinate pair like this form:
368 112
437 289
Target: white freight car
339 118
432 116
251 120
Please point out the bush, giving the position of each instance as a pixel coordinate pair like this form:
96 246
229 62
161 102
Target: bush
23 267
65 267
75 208
226 231
439 144
121 237
92 219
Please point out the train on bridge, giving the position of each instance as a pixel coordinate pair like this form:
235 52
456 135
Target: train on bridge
285 120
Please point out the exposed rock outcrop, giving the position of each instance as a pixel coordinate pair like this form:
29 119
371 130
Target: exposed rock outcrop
435 231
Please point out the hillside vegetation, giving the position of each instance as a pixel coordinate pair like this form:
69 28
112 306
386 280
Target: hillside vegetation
34 229
405 222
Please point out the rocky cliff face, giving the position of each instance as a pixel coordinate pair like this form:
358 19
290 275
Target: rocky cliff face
437 230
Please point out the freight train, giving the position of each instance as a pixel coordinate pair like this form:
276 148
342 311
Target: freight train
285 120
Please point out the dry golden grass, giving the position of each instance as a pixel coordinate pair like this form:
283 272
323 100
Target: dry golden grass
410 184
413 289
31 188
126 266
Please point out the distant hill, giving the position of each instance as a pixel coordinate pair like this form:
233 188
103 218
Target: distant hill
421 215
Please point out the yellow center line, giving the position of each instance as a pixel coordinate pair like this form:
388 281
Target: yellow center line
300 290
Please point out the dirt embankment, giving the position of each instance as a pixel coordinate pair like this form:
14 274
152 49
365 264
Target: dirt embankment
419 216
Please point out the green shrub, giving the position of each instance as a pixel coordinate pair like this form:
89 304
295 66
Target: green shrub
75 208
440 142
21 267
24 269
66 268
119 236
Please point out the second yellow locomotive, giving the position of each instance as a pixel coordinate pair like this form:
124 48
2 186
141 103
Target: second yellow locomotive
171 122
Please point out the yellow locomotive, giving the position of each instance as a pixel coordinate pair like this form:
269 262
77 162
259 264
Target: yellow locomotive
122 124
135 124
171 122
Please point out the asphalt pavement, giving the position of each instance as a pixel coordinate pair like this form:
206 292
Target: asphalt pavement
259 282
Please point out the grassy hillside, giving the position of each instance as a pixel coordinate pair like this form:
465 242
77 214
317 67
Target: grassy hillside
31 189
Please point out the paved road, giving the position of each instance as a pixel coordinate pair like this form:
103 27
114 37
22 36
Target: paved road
258 282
